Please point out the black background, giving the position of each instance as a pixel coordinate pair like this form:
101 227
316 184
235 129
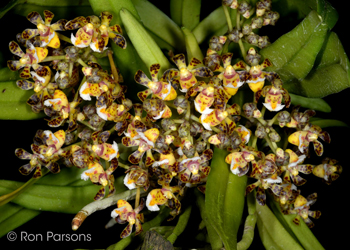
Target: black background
331 229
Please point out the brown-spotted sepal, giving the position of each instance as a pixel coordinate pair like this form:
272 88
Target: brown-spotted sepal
301 207
45 29
125 213
31 58
135 177
329 170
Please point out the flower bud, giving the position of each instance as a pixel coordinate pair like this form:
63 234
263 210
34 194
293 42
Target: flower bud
168 124
244 8
184 129
181 104
251 110
260 131
257 22
274 136
246 29
252 39
235 35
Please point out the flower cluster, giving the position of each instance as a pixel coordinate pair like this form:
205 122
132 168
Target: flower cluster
169 155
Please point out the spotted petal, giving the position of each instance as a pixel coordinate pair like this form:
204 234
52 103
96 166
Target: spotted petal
141 78
318 147
100 194
29 33
26 169
118 40
193 63
154 69
15 49
53 167
203 72
226 59
35 18
144 94
261 196
59 25
48 17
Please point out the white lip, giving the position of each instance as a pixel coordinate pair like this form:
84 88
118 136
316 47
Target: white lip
48 133
73 39
83 175
269 107
85 97
169 90
160 115
204 115
159 163
247 137
148 201
255 81
100 114
239 84
143 137
48 102
39 78
270 180
115 147
131 185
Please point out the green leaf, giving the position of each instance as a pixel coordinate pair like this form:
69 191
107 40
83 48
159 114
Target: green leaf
310 103
224 199
17 219
192 47
302 59
160 24
190 13
210 25
302 232
324 123
176 11
271 231
127 60
287 51
13 101
333 53
145 46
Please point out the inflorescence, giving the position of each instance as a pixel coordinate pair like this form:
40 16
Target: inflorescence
169 154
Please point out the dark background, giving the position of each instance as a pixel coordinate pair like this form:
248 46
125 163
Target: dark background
330 229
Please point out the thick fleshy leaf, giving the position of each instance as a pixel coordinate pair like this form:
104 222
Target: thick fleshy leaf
224 199
160 24
309 71
13 103
145 46
210 25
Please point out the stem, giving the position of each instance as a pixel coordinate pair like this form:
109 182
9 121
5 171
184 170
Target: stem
70 70
228 18
87 124
272 145
102 204
238 19
123 165
8 197
82 62
52 58
113 67
254 141
137 199
77 93
64 38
